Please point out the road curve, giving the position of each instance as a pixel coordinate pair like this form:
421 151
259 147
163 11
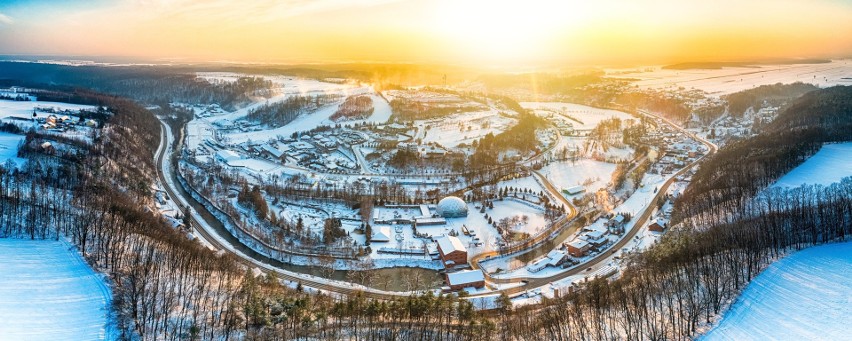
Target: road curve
536 282
245 255
268 264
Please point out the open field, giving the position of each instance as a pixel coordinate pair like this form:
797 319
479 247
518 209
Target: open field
827 166
48 292
728 80
801 297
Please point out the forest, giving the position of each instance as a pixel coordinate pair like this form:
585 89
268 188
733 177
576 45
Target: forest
764 96
280 113
726 230
158 86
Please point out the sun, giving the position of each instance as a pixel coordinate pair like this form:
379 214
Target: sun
503 31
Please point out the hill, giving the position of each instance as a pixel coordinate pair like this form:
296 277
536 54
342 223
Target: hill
746 167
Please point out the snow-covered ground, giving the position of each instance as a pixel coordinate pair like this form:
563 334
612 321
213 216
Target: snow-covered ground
47 292
832 163
9 148
591 174
806 296
584 117
450 131
733 79
25 109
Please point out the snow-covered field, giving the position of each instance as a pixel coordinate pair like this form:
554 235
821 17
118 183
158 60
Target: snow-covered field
450 131
729 80
831 164
806 296
592 174
9 148
47 292
25 109
588 117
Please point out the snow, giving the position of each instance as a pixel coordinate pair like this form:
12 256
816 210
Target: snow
465 277
832 163
805 296
48 292
589 116
9 148
733 79
450 244
25 109
589 173
453 130
302 123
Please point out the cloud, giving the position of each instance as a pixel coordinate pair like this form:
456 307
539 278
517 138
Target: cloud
5 19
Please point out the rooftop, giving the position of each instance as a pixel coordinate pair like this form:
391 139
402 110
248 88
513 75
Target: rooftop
465 277
449 244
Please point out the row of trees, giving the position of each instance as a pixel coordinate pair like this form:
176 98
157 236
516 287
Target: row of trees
280 113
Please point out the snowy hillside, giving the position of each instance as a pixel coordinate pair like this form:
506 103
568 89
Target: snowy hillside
832 163
47 292
801 297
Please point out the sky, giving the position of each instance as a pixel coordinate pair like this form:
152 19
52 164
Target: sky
465 32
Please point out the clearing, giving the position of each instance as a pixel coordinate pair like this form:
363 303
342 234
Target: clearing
802 297
47 292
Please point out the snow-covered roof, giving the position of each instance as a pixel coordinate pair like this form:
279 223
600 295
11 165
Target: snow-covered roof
452 207
579 244
381 234
227 155
449 244
556 254
575 189
465 277
597 234
272 150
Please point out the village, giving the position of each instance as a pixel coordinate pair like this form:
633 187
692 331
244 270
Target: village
445 225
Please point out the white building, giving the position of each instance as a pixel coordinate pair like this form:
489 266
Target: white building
227 156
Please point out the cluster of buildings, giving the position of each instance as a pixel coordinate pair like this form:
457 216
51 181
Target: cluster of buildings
424 151
62 123
596 236
453 254
676 157
320 152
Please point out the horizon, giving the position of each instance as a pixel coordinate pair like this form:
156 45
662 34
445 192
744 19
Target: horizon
503 34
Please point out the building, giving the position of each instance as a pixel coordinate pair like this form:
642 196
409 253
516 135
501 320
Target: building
452 251
452 207
616 222
381 234
574 190
227 156
271 151
465 279
578 248
656 227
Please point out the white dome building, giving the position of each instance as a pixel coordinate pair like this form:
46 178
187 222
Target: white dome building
452 207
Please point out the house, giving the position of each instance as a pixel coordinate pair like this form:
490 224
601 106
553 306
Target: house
578 248
616 224
381 234
47 147
271 151
556 258
656 227
227 156
574 190
452 251
465 279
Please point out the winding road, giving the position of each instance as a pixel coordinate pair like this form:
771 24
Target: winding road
213 232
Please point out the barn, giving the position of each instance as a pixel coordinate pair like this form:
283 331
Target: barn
452 251
465 279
